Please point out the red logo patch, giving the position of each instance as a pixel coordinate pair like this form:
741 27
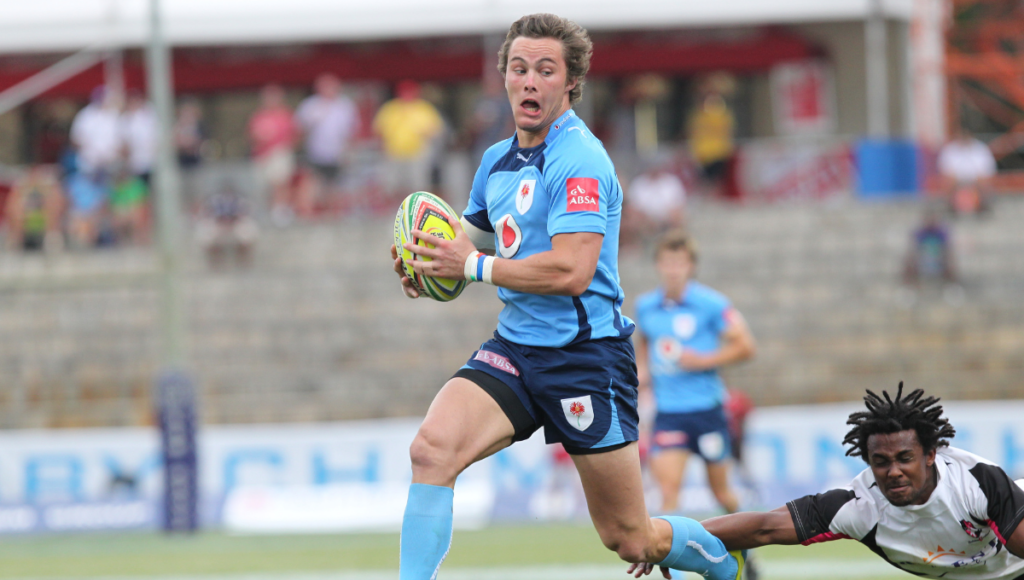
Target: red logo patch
670 438
581 194
497 361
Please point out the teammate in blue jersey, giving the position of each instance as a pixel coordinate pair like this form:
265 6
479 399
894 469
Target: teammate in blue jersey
548 202
687 332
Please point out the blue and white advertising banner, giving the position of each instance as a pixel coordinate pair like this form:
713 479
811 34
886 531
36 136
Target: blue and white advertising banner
354 476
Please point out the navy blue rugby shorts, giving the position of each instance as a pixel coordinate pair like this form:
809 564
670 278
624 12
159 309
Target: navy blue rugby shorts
705 433
584 394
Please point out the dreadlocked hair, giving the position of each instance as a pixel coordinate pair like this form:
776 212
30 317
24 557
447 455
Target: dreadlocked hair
915 411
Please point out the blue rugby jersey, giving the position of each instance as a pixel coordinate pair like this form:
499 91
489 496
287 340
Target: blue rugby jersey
696 323
567 184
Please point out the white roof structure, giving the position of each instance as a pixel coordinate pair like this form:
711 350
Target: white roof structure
67 25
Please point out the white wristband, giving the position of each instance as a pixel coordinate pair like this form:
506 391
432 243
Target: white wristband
478 268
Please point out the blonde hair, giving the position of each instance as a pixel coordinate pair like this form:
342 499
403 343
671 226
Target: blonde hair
675 240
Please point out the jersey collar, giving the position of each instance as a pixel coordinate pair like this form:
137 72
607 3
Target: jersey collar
560 125
668 302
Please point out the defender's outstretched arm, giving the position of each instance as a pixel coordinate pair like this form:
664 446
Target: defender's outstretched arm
746 530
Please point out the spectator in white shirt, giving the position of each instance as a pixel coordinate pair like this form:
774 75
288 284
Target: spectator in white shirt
329 120
655 201
967 167
139 134
96 135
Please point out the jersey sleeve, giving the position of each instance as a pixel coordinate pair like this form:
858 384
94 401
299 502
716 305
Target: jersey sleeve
815 516
1004 498
723 316
580 189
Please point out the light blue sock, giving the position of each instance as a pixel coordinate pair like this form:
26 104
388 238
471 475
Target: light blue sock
695 550
426 531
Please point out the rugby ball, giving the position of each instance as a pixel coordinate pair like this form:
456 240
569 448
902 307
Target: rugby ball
428 213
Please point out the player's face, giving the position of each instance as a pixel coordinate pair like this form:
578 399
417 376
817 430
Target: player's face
674 267
536 83
904 472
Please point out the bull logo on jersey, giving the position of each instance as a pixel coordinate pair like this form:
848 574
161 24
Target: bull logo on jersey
971 529
667 352
581 194
524 197
668 348
579 412
510 237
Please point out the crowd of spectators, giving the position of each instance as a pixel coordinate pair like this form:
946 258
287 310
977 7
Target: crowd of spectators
347 149
339 149
98 194
304 159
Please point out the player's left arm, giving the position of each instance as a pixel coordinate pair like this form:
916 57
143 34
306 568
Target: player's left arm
737 345
566 269
740 531
576 224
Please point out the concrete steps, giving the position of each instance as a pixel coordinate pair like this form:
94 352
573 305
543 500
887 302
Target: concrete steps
318 330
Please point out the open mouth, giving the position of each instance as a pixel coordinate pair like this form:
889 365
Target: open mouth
530 105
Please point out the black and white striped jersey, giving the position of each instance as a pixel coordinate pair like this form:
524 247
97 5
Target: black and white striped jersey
958 534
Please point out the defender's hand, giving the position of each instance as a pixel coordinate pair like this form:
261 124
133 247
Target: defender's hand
643 569
448 257
407 286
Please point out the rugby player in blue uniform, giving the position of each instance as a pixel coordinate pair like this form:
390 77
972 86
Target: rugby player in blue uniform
548 202
687 332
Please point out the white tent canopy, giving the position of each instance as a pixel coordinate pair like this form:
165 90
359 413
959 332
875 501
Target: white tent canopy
65 25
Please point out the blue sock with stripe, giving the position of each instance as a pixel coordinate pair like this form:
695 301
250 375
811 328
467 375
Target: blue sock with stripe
696 550
426 531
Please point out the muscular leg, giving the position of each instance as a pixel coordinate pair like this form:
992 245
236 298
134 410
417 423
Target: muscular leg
616 500
718 479
463 425
615 496
668 467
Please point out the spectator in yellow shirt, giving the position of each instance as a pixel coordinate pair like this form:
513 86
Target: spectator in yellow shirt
711 138
408 126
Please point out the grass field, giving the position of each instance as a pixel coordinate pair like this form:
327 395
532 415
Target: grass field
500 553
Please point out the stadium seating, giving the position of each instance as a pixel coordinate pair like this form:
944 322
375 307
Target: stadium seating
318 330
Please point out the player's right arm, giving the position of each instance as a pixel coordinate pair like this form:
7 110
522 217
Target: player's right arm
746 530
740 531
833 515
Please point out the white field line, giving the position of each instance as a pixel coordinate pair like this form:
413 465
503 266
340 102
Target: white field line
809 569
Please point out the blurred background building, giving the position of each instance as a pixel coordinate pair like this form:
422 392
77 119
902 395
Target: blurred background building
808 137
